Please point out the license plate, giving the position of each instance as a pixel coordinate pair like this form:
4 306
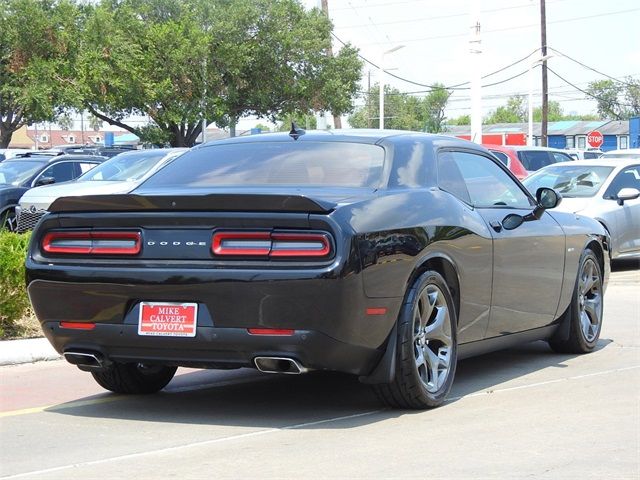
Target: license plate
168 319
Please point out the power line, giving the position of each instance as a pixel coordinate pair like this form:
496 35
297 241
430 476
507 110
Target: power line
590 68
585 91
520 27
457 86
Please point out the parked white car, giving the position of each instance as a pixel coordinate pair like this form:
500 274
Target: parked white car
578 154
605 189
120 174
623 153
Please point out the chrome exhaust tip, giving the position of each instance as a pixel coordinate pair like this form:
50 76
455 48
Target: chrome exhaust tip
85 360
288 366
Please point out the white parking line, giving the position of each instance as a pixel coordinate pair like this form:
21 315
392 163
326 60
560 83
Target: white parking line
296 426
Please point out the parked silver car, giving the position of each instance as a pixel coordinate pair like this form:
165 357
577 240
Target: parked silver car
605 189
120 174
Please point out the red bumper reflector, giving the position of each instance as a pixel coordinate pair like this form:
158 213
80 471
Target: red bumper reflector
376 311
271 331
78 325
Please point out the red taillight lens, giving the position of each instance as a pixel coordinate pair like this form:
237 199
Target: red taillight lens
92 243
271 331
271 244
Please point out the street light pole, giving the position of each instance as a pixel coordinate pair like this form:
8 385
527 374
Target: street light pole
394 49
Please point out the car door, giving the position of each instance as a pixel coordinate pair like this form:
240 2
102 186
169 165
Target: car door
528 261
60 171
626 232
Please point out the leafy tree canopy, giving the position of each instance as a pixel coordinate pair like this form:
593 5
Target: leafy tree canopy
175 60
403 111
37 47
616 100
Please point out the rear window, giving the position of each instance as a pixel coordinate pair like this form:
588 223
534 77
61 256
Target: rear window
275 163
535 159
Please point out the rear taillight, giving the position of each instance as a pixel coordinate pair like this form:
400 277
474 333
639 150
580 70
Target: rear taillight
92 243
271 244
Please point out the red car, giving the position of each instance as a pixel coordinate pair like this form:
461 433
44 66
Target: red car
509 157
522 160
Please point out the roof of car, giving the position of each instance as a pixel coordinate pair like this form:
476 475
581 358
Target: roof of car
598 162
345 135
50 158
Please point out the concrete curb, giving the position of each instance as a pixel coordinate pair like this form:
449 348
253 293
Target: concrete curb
14 352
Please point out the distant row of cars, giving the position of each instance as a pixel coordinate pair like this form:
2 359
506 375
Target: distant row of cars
27 179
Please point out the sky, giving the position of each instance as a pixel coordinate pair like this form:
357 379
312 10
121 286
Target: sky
434 35
435 39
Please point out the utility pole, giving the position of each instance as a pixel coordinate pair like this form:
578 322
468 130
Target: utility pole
475 49
337 121
545 86
82 127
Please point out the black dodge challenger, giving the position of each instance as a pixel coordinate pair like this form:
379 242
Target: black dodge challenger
388 255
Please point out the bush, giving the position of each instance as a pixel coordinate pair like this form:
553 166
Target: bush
15 309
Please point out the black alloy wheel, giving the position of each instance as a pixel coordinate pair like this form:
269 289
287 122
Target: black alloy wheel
426 347
586 310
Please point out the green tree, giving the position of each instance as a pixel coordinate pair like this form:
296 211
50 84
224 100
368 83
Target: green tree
95 123
224 59
65 121
461 120
616 100
302 120
37 48
403 111
554 113
514 111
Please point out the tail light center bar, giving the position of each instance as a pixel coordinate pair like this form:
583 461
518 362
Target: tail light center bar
92 243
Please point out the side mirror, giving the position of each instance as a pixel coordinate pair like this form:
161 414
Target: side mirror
512 221
548 198
627 194
45 181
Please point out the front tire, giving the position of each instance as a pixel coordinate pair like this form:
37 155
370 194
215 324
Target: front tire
426 347
134 378
586 309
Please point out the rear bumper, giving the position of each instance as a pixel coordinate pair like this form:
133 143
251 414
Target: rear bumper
213 347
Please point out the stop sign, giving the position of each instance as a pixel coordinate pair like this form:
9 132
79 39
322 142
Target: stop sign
595 139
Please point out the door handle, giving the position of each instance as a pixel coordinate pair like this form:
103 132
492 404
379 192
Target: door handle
496 225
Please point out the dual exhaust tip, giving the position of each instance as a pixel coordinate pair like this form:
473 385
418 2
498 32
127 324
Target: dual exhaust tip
288 366
95 361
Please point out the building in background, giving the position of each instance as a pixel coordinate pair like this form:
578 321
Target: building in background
563 134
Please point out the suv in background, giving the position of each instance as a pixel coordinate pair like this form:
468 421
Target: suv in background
19 174
532 158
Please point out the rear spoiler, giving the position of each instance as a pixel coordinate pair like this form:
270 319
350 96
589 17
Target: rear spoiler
180 203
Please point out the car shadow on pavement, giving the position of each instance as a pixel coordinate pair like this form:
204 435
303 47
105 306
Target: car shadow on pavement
248 399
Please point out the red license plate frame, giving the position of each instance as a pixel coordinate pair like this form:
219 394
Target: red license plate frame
168 319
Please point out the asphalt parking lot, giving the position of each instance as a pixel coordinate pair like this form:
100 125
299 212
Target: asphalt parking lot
520 413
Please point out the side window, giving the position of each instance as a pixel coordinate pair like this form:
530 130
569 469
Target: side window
450 178
62 172
561 157
535 159
501 156
85 167
627 178
487 184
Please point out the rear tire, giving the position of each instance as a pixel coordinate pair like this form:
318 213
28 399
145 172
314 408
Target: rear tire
426 347
134 377
585 311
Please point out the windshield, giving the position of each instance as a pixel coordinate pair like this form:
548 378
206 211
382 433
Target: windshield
339 164
18 172
570 181
124 167
621 155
